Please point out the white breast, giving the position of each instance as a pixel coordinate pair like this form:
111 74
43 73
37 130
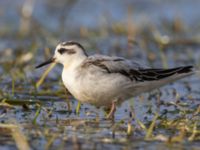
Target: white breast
69 81
75 86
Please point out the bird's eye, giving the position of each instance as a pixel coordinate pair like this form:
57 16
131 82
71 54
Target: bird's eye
68 51
62 50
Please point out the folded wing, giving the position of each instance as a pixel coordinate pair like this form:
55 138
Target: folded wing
133 70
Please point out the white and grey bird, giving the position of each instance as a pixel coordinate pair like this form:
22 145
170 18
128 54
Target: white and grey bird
107 81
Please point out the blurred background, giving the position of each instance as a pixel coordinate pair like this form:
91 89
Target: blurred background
139 28
148 30
158 33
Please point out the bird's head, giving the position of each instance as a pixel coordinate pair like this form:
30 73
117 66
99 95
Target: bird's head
66 53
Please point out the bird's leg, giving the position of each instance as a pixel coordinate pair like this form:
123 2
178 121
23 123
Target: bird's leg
67 99
111 114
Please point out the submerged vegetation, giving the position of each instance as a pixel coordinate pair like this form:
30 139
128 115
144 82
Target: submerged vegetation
37 112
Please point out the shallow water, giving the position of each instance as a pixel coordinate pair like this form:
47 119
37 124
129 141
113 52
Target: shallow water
160 34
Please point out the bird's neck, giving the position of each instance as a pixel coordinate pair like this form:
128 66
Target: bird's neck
74 63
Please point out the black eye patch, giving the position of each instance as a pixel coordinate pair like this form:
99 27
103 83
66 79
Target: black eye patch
62 50
68 51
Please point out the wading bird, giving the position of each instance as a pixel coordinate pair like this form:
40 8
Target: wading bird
107 81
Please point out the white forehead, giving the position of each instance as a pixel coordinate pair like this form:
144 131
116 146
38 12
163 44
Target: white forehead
67 46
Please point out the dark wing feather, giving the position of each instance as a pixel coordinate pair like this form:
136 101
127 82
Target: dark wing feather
157 74
132 70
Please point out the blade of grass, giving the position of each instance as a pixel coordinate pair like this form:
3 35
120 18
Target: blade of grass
44 75
141 125
20 139
68 102
180 137
37 114
163 58
5 105
50 141
151 127
13 85
78 108
194 131
21 102
129 129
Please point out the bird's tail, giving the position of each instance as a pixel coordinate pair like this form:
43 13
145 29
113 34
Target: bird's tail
155 78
